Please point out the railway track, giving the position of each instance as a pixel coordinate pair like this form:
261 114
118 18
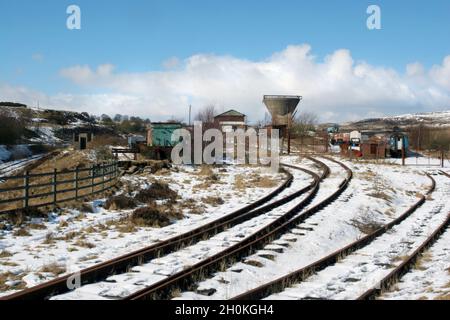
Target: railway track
123 263
26 164
15 165
188 277
409 262
298 276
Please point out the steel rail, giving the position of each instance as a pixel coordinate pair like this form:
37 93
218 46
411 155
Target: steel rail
122 264
303 273
186 278
407 264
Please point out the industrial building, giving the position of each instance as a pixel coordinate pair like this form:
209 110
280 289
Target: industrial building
230 120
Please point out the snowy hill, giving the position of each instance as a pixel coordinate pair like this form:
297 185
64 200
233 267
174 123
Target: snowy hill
432 119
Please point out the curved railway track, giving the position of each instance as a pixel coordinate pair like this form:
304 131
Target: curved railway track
409 262
15 165
189 276
122 264
297 276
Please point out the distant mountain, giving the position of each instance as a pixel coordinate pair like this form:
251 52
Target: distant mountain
431 119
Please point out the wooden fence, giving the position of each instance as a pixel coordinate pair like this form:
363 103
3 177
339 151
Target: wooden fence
51 188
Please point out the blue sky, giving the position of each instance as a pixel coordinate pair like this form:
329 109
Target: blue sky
137 36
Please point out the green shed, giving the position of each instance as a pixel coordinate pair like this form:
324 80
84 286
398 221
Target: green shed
160 134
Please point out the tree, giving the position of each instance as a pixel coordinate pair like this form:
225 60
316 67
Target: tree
117 118
106 119
206 114
303 123
11 129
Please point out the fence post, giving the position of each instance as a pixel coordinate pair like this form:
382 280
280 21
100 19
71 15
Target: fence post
103 176
55 186
92 179
26 188
76 182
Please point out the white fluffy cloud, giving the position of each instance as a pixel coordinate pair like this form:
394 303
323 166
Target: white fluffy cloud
337 88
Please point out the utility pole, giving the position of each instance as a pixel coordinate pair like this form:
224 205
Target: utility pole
190 110
403 150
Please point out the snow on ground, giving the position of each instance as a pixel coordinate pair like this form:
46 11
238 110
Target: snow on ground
430 278
374 197
74 239
46 135
422 161
146 274
5 154
11 167
363 269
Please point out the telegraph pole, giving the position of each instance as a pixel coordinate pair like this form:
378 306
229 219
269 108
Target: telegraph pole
190 109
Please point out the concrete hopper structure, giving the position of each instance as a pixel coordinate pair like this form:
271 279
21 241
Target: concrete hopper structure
282 109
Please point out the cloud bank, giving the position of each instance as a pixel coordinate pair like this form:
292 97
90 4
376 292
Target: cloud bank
337 88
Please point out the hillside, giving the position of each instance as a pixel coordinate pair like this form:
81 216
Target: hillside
431 119
56 127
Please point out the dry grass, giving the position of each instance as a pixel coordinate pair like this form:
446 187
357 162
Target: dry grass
380 195
242 182
84 244
53 268
155 215
8 276
365 225
213 201
194 207
424 258
22 232
89 257
156 191
5 254
120 202
208 177
127 227
254 263
49 239
444 296
8 264
37 226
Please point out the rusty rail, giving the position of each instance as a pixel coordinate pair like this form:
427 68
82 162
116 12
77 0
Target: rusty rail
122 264
184 279
301 274
406 265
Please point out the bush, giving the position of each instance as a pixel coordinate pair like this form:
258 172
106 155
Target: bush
11 130
103 153
12 104
120 202
155 216
157 191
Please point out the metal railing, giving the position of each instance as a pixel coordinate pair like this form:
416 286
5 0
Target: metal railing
52 188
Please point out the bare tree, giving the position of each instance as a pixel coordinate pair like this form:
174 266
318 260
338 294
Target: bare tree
206 114
303 123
